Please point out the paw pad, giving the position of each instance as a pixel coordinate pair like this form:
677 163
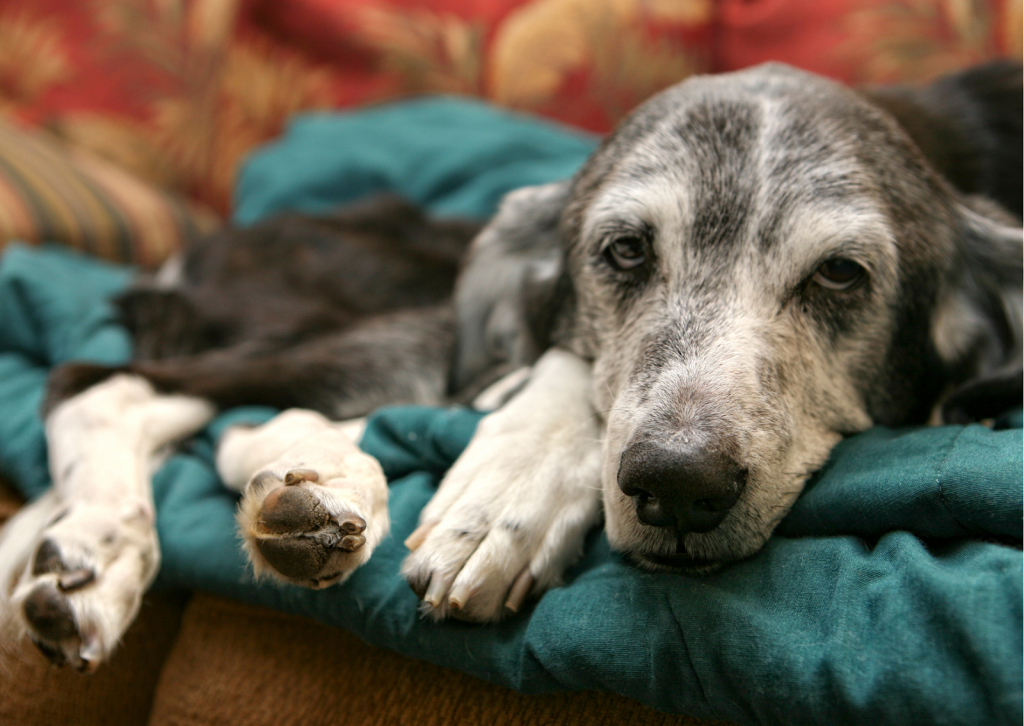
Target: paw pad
48 558
291 510
352 542
49 613
300 558
296 535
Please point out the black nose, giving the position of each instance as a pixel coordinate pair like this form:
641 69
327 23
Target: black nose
689 488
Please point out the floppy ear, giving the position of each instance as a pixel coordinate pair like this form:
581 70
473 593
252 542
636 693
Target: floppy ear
977 328
505 297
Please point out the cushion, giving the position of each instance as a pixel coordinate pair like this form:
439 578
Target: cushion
867 41
49 192
179 93
235 663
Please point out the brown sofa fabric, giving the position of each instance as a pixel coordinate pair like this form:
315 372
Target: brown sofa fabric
35 693
237 664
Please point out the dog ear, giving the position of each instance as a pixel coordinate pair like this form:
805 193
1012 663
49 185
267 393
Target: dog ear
505 297
977 328
968 125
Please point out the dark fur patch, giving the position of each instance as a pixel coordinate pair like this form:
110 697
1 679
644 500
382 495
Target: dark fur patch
720 138
340 313
70 379
969 125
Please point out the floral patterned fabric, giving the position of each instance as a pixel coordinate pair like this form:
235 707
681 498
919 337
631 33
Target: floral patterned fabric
179 91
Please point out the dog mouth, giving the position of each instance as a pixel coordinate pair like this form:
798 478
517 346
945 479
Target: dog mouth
679 561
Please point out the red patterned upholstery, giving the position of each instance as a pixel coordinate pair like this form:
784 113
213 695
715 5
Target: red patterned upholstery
178 91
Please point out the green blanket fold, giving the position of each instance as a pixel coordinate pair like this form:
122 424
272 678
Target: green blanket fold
891 594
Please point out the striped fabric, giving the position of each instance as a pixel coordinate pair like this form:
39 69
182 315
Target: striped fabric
49 193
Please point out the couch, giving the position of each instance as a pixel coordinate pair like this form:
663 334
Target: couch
245 68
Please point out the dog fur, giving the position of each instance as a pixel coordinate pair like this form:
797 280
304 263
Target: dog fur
751 267
725 365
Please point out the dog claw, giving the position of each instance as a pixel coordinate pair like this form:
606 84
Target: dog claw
75 579
90 652
459 596
519 590
297 476
48 559
353 524
352 542
436 590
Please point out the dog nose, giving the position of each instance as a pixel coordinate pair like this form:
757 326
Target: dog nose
688 488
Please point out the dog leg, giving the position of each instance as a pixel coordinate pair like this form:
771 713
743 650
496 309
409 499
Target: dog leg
315 506
84 554
513 511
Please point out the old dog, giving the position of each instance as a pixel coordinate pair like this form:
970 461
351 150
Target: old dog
751 267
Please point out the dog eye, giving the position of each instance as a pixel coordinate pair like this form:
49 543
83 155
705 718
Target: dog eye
839 273
626 253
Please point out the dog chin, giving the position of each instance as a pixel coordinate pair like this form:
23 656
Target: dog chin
694 554
650 548
656 550
681 562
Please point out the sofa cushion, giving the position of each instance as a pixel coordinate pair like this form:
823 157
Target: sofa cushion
49 192
240 664
35 693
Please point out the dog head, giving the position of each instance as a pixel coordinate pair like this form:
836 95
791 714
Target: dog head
759 264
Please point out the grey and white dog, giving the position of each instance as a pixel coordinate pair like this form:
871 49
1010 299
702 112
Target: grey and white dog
751 267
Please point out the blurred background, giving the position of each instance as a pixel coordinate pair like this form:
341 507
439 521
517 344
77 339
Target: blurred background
168 96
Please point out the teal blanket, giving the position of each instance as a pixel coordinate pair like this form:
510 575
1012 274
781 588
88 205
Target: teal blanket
891 594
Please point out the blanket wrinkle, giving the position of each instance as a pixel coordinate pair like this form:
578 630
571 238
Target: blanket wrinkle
940 467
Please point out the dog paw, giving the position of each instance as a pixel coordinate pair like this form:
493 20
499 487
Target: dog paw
75 563
509 517
83 582
316 513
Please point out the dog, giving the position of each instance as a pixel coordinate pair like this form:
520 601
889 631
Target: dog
751 267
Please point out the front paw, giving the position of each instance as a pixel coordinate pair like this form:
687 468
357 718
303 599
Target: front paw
84 581
315 514
506 522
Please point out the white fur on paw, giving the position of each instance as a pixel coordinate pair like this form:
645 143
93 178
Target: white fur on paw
75 564
508 519
81 579
243 450
315 513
